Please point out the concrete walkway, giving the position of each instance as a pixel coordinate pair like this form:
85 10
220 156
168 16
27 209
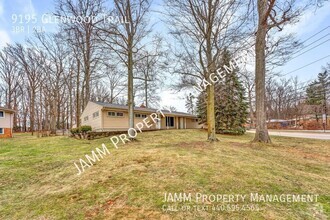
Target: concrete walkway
299 134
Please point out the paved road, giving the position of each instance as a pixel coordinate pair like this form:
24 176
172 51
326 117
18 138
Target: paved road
302 134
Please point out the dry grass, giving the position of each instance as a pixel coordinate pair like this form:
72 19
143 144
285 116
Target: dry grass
39 181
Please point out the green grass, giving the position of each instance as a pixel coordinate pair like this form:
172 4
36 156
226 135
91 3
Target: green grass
38 179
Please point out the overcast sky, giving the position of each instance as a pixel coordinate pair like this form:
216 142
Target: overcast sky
310 24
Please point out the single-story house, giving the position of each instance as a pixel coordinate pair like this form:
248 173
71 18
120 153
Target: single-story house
6 122
113 117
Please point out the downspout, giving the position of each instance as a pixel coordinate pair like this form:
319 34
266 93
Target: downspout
102 122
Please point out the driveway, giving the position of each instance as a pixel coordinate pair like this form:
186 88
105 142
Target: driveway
298 134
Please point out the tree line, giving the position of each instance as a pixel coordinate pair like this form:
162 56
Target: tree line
50 78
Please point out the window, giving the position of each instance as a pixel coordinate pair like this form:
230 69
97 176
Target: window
2 131
2 114
120 114
169 121
140 116
86 118
96 114
112 114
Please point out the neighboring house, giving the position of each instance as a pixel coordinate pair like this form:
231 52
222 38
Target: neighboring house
6 122
112 117
279 123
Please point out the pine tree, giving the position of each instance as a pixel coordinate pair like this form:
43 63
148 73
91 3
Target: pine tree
318 92
230 103
201 107
313 94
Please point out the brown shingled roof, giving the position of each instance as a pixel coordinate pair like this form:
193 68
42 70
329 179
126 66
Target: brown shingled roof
125 107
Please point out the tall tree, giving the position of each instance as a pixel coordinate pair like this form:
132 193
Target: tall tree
317 93
230 102
9 72
204 29
125 40
11 77
53 46
31 62
82 38
271 14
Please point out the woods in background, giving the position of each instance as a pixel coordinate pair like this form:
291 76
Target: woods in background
50 78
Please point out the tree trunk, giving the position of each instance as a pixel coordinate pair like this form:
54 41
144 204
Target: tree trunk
130 92
146 89
210 114
261 134
78 94
210 93
32 111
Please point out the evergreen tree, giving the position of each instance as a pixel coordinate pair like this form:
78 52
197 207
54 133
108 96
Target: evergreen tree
201 107
313 94
230 103
317 93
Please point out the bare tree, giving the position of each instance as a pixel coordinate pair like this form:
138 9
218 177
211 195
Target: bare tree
248 82
114 82
125 40
150 65
9 73
204 29
81 36
57 53
31 62
11 78
271 14
190 104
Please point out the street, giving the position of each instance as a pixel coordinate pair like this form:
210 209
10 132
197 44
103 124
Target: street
298 134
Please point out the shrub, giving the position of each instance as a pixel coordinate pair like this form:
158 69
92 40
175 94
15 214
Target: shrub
85 128
82 129
74 130
312 125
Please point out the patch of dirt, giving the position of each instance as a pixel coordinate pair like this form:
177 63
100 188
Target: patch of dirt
109 204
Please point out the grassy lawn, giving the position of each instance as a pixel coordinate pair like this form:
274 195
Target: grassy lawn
38 179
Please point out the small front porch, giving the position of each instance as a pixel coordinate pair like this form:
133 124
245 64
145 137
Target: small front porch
172 122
